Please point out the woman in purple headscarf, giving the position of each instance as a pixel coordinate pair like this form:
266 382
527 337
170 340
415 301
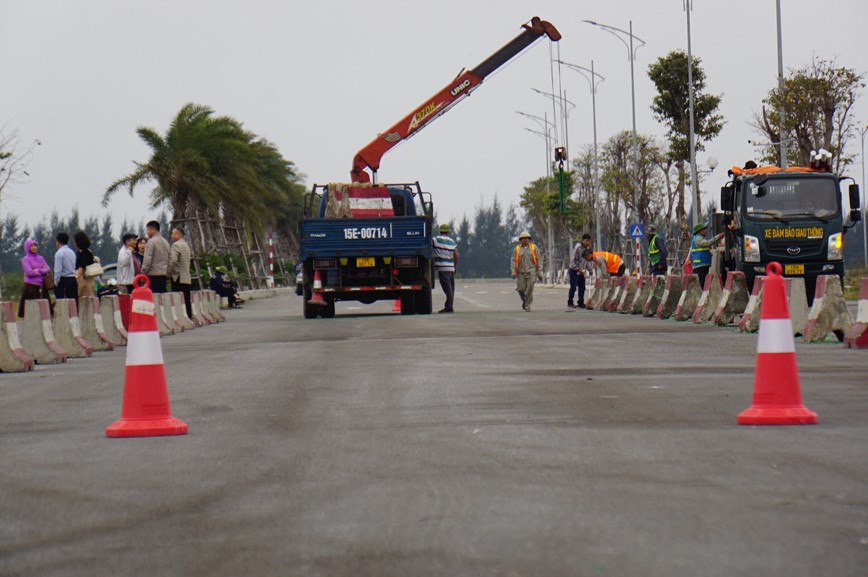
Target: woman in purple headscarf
35 268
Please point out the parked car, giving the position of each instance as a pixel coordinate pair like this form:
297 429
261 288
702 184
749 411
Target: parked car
299 280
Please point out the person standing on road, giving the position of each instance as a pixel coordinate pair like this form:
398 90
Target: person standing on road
65 285
607 263
156 262
83 259
700 251
524 267
179 267
445 261
128 265
578 266
35 270
657 255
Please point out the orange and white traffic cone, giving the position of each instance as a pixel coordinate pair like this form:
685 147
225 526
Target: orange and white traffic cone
777 397
145 411
316 297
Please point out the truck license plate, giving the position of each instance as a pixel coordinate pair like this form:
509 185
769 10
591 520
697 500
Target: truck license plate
794 269
365 261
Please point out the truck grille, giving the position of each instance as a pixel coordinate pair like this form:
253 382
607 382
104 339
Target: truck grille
807 248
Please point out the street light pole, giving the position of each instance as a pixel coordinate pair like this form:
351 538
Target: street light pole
631 54
547 127
782 111
694 176
593 82
864 130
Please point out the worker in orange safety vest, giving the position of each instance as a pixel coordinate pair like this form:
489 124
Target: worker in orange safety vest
525 269
607 263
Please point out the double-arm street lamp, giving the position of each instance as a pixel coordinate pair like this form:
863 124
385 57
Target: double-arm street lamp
631 55
594 80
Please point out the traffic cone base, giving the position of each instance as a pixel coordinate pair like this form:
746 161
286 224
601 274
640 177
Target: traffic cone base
777 416
155 428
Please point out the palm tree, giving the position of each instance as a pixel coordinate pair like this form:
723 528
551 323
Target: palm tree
211 171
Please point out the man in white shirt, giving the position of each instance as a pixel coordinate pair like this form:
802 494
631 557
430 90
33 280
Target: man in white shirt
127 263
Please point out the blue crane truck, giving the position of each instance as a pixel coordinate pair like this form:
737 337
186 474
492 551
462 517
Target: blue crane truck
364 241
366 259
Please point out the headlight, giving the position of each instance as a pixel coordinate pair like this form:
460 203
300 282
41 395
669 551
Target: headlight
836 247
751 249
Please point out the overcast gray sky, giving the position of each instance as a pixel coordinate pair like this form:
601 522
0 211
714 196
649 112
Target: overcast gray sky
321 79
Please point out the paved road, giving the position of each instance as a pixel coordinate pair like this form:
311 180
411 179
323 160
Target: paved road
489 442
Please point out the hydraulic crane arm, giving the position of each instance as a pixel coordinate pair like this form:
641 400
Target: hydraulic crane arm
451 94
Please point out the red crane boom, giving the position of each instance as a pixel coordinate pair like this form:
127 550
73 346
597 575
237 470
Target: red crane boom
451 94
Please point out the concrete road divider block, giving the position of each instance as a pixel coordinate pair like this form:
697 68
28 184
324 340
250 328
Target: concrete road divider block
658 287
627 295
615 297
110 311
168 304
856 336
708 300
204 307
13 358
196 305
37 335
670 298
603 296
163 327
124 302
180 308
643 291
798 301
829 313
67 329
92 328
749 322
215 301
594 293
733 299
611 284
691 292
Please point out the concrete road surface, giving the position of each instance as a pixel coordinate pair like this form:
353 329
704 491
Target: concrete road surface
487 442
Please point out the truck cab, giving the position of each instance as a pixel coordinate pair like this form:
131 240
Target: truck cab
793 216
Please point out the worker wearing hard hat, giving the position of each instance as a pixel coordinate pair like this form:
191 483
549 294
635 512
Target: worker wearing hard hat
607 263
700 251
525 269
445 261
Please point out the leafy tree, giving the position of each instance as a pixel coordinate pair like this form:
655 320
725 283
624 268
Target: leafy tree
671 107
817 100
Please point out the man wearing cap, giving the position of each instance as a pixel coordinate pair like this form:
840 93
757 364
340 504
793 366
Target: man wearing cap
445 259
656 251
700 251
221 284
524 268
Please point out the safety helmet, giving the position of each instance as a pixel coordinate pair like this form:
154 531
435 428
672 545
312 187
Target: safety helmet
699 227
524 234
444 228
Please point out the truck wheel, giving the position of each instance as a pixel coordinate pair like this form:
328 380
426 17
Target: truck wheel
423 302
310 311
328 311
408 306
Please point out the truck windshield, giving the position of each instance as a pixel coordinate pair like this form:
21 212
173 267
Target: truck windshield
792 198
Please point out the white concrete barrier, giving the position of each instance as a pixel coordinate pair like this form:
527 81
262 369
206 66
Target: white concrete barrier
13 357
110 311
37 334
67 329
829 312
92 328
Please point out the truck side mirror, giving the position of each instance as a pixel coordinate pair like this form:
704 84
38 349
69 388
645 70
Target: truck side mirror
726 198
854 197
429 207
